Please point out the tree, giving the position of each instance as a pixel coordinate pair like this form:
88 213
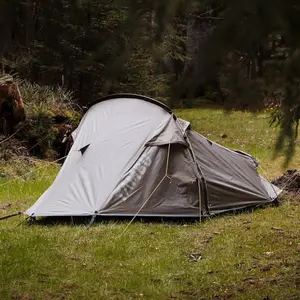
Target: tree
245 29
86 46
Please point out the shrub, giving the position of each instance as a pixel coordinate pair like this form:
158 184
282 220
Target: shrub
45 106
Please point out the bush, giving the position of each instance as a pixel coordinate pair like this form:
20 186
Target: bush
45 107
52 101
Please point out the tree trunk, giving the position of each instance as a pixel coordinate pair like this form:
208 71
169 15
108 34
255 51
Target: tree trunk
5 31
197 74
260 61
29 22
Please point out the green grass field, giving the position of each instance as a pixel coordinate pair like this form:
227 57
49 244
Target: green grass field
244 256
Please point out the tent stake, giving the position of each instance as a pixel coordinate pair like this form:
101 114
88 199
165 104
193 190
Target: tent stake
23 221
92 220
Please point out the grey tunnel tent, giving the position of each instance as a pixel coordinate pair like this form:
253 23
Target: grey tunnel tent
132 156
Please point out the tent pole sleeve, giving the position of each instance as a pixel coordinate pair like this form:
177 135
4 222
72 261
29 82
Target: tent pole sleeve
200 199
168 158
202 180
202 183
267 178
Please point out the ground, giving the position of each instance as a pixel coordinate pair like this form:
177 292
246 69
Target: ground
254 255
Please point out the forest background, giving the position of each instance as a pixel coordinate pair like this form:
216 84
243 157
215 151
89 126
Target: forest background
238 54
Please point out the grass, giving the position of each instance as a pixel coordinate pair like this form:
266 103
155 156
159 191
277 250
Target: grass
244 256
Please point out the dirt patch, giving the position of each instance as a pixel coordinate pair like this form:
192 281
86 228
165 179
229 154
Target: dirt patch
289 181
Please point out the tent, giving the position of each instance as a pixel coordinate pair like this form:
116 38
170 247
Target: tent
132 156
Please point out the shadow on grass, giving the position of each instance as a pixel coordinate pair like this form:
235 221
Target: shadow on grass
86 220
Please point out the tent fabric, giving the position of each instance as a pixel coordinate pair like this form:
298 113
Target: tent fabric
173 189
231 178
132 156
168 132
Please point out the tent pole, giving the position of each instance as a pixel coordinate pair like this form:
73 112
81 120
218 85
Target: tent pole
200 177
200 199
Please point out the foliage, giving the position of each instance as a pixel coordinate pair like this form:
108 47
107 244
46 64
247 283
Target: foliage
54 101
257 44
45 106
83 45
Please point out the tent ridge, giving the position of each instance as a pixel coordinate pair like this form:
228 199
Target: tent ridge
132 96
